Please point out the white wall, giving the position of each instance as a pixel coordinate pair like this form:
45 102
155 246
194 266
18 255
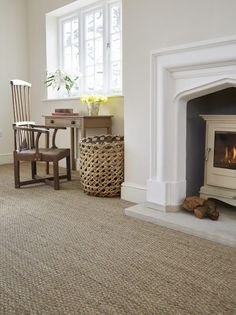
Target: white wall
150 25
13 64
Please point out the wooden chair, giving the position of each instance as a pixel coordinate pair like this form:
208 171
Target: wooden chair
26 140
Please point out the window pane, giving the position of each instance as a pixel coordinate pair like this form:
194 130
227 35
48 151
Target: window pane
71 46
89 71
94 42
90 83
75 46
115 47
99 77
75 59
115 18
99 50
67 59
75 32
116 76
99 23
89 26
89 54
67 34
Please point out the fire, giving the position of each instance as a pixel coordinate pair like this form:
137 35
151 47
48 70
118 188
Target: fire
234 153
226 153
230 154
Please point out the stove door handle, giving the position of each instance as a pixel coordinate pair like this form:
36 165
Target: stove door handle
208 150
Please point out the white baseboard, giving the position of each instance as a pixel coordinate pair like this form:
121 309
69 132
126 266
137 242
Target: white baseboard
132 192
6 158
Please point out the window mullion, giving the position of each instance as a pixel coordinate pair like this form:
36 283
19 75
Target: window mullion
94 51
60 44
106 48
82 51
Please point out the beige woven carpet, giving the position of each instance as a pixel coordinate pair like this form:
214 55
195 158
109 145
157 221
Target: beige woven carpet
63 252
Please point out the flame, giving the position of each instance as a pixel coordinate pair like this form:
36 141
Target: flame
226 153
234 153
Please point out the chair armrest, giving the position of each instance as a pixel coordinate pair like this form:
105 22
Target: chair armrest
35 142
55 128
40 130
24 123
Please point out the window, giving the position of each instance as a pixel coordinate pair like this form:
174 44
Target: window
90 45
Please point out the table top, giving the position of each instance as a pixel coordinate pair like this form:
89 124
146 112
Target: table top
76 116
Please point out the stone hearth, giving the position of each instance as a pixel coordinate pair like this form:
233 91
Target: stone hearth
222 231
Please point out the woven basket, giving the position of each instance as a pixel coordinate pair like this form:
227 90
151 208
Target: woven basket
102 165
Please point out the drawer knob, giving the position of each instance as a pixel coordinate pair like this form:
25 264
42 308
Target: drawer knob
52 121
73 122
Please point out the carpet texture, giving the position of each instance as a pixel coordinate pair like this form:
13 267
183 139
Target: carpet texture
63 252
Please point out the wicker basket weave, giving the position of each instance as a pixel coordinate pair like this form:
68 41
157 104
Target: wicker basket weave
102 165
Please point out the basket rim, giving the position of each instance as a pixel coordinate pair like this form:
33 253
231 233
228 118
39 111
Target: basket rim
91 140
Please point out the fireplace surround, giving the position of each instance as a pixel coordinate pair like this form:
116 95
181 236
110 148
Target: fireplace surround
179 74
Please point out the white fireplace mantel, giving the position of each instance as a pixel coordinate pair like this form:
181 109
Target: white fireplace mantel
179 74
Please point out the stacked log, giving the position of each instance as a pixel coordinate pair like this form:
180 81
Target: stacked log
201 208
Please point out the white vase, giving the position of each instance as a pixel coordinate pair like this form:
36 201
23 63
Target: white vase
93 108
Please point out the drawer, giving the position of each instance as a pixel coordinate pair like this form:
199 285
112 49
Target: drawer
62 122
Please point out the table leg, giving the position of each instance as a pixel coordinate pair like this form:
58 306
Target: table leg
47 146
82 130
76 144
109 130
72 146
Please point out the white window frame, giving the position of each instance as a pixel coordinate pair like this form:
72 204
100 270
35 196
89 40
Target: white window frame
106 6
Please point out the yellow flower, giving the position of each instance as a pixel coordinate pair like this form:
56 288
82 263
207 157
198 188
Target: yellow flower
87 99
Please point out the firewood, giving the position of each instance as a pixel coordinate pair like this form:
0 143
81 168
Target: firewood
209 203
201 212
191 203
212 211
213 215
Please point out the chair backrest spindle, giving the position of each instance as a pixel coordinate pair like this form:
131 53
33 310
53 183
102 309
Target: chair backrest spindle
21 111
24 140
21 100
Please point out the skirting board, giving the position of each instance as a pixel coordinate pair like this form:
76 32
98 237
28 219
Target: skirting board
6 158
133 193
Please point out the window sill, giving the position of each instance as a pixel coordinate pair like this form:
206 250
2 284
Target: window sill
74 98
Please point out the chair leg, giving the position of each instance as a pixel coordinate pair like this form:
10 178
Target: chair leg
17 173
68 170
56 175
33 169
47 168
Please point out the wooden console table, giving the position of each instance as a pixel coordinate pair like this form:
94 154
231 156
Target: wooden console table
76 123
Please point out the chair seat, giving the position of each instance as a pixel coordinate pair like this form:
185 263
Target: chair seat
45 154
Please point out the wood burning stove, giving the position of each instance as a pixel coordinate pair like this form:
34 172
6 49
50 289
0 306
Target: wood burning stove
220 158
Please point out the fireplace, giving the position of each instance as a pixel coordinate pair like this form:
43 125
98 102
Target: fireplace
220 158
178 75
